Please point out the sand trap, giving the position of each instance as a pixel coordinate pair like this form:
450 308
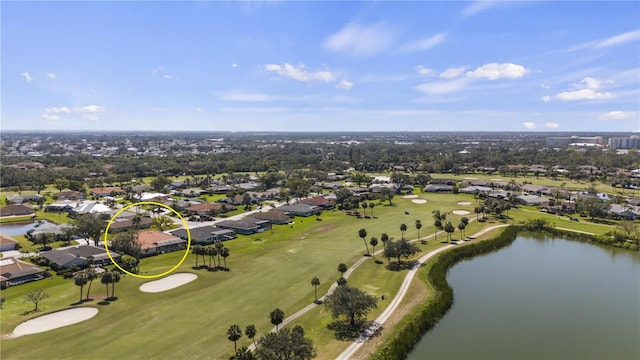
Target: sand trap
168 283
496 179
54 320
419 201
460 212
470 178
464 203
410 196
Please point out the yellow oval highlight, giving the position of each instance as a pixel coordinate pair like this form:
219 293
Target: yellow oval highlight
106 243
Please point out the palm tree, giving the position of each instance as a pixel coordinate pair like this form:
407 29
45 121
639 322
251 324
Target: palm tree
234 334
477 210
115 279
342 281
384 238
342 268
220 247
418 227
277 317
364 206
212 252
371 206
225 255
315 282
251 332
363 235
80 279
373 241
461 227
91 275
196 252
403 228
449 229
135 221
106 279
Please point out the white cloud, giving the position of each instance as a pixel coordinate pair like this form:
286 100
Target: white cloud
234 65
199 110
300 73
424 71
89 112
477 7
529 125
50 117
425 44
157 70
546 98
443 87
360 40
344 84
618 115
494 71
619 39
167 77
587 89
551 125
51 76
58 110
260 97
451 73
27 76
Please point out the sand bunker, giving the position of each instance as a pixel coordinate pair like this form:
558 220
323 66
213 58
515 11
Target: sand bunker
410 196
54 320
464 203
496 179
419 201
460 212
168 283
470 178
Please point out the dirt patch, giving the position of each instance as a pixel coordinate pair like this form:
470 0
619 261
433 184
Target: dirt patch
168 283
460 212
54 320
464 203
410 196
419 201
324 228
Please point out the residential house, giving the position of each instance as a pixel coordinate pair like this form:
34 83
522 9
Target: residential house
19 199
300 209
15 272
58 230
437 181
205 235
248 186
319 201
153 242
274 216
69 195
88 207
535 190
245 226
7 243
472 189
16 210
108 191
79 256
147 196
221 189
60 206
532 200
623 212
125 222
205 209
438 188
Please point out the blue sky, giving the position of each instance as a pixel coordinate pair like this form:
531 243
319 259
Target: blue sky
321 66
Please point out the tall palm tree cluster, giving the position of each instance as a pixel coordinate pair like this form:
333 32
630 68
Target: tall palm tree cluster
212 252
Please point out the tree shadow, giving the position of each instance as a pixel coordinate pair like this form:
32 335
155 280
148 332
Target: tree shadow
379 262
343 331
405 265
104 302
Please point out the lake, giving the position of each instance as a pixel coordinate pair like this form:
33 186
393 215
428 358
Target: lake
19 228
541 298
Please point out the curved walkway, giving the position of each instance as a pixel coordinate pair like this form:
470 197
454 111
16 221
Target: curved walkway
386 314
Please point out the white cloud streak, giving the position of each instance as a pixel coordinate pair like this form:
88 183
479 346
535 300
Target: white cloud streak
619 115
424 71
344 85
425 44
51 76
300 73
89 112
451 73
551 125
619 39
529 125
361 40
443 87
477 7
27 76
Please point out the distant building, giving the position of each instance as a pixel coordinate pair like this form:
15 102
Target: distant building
632 142
563 141
16 272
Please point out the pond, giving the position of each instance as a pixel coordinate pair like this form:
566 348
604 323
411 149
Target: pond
19 228
541 298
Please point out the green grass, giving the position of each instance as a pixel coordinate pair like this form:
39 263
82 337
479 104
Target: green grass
268 270
58 218
15 219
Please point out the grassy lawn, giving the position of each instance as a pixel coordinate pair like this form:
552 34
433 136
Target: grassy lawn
58 218
16 219
268 270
